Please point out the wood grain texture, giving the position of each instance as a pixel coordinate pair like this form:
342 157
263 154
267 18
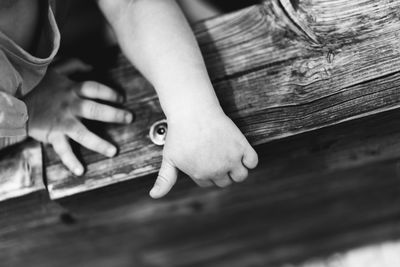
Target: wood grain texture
314 195
21 170
280 69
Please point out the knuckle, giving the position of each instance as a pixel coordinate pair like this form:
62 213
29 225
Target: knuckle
252 155
70 123
200 176
255 159
223 183
80 87
210 173
89 88
197 173
118 115
242 178
97 87
87 84
244 173
93 109
59 150
197 176
79 104
239 175
80 133
162 180
167 161
72 87
64 105
52 138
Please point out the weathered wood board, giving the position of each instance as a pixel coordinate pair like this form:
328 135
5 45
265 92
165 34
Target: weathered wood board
280 68
21 170
313 196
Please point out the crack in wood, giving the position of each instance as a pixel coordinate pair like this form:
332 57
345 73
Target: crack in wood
290 11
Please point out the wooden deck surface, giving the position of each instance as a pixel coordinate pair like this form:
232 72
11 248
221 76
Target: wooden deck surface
327 191
313 196
279 69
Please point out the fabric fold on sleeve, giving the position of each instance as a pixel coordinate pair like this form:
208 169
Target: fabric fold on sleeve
13 112
13 116
20 72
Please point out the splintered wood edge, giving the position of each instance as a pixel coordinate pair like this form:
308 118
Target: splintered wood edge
27 168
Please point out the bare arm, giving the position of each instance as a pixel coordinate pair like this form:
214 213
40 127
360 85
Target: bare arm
202 141
162 46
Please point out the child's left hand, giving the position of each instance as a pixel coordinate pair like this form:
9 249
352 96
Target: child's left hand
208 147
55 107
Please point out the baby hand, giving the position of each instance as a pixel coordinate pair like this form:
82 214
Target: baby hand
208 147
55 107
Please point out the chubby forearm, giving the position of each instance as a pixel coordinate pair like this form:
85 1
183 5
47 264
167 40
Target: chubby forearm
156 37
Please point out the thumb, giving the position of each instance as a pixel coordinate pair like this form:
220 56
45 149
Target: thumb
165 181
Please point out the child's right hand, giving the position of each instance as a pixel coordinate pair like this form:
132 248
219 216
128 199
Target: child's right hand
208 147
55 107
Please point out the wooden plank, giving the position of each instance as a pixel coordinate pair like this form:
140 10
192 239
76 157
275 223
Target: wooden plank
313 196
279 69
21 170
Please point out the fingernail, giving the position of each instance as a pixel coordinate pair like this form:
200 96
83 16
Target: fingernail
111 151
128 117
78 171
154 192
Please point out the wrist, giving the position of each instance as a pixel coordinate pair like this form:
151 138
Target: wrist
195 98
193 111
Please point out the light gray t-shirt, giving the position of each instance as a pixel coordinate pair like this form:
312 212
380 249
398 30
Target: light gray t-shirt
20 72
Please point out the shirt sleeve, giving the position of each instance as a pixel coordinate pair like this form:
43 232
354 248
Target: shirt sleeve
13 116
13 112
13 120
20 72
